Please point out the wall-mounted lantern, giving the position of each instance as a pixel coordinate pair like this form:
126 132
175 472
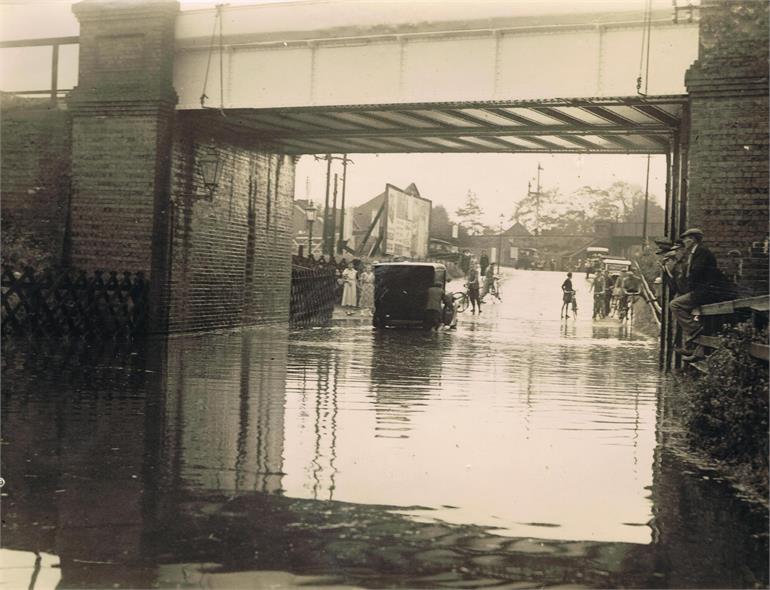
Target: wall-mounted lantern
210 167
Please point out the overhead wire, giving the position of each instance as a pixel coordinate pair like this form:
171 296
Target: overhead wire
212 45
644 56
644 63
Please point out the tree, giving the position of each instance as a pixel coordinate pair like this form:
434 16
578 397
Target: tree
539 211
553 213
614 203
440 224
572 222
655 213
470 214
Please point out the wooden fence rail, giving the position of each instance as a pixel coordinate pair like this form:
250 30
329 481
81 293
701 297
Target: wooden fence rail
715 315
73 303
649 295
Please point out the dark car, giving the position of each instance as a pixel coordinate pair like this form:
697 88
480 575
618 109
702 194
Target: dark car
401 291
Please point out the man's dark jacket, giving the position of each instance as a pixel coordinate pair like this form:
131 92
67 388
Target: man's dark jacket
707 283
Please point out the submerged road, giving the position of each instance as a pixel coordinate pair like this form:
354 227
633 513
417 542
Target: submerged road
520 451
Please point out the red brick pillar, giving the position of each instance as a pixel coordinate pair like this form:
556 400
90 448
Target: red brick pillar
728 138
122 122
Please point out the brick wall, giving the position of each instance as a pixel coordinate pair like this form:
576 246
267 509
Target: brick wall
231 253
728 157
113 191
35 179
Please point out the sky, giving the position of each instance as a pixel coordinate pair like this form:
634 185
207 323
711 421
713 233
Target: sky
499 180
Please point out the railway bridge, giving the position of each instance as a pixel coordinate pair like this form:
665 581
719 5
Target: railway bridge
174 153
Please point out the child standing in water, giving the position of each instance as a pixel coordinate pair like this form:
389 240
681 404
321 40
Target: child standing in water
567 294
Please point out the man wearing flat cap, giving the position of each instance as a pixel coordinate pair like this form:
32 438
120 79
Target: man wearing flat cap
674 264
704 282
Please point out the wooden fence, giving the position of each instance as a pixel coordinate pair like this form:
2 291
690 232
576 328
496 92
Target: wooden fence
73 303
649 295
715 315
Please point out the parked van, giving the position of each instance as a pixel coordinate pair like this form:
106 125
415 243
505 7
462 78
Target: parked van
401 291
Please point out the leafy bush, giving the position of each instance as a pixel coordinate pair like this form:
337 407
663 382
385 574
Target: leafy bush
725 411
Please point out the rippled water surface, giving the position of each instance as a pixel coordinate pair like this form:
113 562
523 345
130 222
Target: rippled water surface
521 450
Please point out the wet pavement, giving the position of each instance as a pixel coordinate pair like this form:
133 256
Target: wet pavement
520 451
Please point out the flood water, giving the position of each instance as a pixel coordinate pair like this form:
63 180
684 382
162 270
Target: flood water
520 451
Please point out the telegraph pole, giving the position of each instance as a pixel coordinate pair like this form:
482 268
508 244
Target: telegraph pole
345 162
330 209
325 235
333 223
537 201
646 204
536 194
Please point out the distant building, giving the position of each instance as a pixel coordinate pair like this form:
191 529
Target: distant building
501 247
394 223
301 227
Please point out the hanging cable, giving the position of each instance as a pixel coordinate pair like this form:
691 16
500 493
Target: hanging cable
649 44
644 56
644 64
217 25
221 62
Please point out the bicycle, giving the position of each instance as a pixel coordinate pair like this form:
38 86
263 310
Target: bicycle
461 301
567 303
599 305
494 290
626 306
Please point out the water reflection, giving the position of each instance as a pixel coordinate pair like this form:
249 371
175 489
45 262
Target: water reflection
224 407
515 450
402 382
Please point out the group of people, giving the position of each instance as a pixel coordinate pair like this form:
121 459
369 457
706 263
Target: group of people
613 293
693 278
481 281
357 286
355 280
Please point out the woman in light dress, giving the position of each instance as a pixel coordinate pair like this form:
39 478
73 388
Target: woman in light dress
349 289
367 290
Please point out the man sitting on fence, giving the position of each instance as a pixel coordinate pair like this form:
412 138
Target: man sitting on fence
706 284
673 263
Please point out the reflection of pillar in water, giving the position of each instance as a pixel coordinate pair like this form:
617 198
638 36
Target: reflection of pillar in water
80 444
226 402
325 428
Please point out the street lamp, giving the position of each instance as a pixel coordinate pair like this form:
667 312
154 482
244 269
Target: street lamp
209 167
310 212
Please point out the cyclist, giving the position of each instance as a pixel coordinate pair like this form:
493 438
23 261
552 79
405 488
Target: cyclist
568 295
473 287
631 285
599 287
490 283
